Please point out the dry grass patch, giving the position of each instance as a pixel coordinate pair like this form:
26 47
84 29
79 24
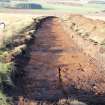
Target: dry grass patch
14 24
93 30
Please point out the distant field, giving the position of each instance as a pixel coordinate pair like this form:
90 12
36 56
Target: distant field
72 9
86 8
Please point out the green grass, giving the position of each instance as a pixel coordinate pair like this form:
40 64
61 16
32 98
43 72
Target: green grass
3 99
86 8
81 9
14 25
5 69
72 9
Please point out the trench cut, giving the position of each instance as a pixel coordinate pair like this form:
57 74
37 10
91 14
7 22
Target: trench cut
56 64
42 74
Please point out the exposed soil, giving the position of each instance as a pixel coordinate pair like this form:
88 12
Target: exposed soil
56 68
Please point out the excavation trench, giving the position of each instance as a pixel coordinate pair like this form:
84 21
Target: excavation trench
53 67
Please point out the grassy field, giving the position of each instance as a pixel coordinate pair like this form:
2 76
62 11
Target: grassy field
86 8
80 9
71 9
14 24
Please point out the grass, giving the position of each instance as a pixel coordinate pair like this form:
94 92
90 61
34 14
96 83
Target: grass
70 102
20 29
86 8
78 9
71 9
3 99
82 9
14 24
5 69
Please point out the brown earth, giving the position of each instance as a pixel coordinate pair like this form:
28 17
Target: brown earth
57 68
93 30
89 35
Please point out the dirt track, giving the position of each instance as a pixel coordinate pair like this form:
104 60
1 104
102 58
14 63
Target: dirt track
58 69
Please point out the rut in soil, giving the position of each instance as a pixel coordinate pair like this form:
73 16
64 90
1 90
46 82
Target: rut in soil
55 67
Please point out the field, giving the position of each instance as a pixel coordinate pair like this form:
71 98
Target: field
86 8
32 39
49 7
14 24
